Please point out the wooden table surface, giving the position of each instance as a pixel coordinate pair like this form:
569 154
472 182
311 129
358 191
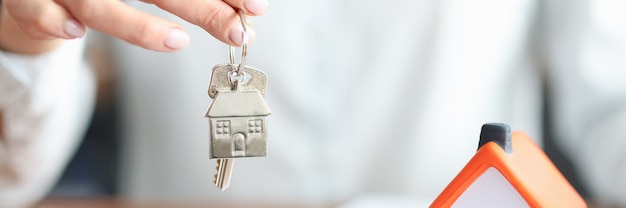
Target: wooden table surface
120 203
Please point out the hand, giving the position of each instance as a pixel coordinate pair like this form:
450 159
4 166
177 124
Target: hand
67 19
14 40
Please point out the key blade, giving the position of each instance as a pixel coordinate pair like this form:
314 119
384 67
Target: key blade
224 170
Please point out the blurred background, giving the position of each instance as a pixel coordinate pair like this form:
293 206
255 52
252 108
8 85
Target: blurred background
103 167
95 169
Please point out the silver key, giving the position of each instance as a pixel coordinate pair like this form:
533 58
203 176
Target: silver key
238 121
252 79
238 114
224 170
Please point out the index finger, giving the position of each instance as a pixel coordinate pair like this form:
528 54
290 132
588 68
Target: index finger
250 7
134 26
217 17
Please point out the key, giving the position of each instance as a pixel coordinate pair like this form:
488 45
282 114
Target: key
224 170
237 118
238 114
252 79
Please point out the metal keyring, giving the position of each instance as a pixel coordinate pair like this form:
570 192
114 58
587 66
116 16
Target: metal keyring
244 46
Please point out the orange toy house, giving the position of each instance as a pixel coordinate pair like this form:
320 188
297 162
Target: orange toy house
508 170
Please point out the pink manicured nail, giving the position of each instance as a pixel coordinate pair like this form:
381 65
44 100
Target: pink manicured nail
176 39
236 34
74 29
257 7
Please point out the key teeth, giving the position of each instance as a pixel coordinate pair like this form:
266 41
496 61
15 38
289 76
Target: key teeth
222 177
217 169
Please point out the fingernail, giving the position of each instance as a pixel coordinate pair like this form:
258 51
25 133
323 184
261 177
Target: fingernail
176 39
251 35
257 7
74 29
236 34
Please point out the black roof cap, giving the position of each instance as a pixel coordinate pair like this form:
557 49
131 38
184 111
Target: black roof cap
496 132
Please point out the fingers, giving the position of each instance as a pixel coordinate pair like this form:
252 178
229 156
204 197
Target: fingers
14 39
69 19
136 27
217 17
251 7
51 21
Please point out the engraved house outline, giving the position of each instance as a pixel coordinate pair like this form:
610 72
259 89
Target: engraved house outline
238 123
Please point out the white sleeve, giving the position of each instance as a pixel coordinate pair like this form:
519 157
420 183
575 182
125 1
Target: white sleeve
46 101
587 59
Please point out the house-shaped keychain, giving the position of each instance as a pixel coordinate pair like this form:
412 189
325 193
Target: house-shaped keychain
508 170
238 121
